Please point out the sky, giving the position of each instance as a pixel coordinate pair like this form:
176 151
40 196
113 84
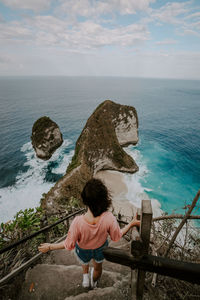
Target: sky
126 38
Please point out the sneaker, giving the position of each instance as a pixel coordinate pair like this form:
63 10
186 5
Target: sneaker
93 283
86 281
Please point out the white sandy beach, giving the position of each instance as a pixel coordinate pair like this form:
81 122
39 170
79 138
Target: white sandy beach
115 183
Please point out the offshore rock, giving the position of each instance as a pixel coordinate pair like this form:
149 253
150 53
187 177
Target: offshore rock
99 147
46 137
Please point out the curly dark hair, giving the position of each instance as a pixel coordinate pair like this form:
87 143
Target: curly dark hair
96 196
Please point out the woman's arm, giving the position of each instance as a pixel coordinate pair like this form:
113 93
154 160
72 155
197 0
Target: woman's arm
134 222
69 242
48 247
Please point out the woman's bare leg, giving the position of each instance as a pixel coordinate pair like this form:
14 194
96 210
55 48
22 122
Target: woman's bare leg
86 278
85 269
97 270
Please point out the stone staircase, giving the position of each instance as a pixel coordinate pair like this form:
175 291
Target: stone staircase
60 278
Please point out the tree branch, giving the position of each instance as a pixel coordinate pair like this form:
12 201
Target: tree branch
182 223
176 216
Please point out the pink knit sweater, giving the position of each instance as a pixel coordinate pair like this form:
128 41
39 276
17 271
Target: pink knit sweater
89 236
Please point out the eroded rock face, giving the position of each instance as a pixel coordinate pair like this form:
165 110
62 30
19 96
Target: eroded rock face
99 147
126 127
110 127
46 137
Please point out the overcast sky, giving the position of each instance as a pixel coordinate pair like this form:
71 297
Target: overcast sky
139 38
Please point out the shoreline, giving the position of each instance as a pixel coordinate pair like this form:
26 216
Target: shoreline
118 189
120 193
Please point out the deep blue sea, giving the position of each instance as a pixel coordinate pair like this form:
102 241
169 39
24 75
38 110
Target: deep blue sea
168 152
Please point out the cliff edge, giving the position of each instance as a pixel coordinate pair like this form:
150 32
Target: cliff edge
99 147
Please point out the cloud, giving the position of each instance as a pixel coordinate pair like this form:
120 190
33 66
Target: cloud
131 7
190 32
179 15
34 5
192 28
166 42
88 8
5 59
193 16
50 31
96 35
196 25
170 12
14 31
1 19
181 64
89 35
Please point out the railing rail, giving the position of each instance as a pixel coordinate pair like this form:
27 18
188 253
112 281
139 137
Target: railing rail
138 258
42 230
140 261
24 266
162 265
33 259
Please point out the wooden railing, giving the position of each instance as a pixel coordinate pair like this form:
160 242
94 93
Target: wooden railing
137 259
28 263
140 261
42 230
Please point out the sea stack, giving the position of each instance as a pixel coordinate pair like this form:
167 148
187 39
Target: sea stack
46 137
99 147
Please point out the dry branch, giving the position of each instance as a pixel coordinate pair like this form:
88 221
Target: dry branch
182 223
176 216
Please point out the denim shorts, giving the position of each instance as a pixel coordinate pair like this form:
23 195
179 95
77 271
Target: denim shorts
85 255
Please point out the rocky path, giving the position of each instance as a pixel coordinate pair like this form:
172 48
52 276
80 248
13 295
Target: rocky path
60 278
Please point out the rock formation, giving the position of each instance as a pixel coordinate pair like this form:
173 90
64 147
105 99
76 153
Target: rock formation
99 147
46 137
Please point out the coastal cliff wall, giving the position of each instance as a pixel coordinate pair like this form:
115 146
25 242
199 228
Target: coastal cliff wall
99 147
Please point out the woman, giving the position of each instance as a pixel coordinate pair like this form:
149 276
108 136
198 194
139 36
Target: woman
88 233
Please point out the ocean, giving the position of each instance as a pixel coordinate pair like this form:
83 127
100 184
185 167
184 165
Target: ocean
168 152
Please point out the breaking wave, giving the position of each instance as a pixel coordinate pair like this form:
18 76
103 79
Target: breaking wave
136 183
38 178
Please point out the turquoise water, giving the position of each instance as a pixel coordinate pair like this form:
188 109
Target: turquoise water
168 152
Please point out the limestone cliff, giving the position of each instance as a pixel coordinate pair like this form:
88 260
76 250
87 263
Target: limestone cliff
46 137
99 147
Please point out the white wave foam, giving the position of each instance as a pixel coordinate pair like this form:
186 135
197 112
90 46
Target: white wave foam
30 185
136 192
61 169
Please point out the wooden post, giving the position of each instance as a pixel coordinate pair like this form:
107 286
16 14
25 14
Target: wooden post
119 216
136 244
67 224
145 230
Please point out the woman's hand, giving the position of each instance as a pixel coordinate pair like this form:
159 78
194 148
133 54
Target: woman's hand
44 247
135 222
47 247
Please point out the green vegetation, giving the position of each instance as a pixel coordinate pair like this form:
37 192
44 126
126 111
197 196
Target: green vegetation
74 163
121 158
74 203
42 123
28 221
100 105
24 223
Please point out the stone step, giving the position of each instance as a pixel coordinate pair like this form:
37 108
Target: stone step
64 257
57 282
121 244
67 258
119 291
